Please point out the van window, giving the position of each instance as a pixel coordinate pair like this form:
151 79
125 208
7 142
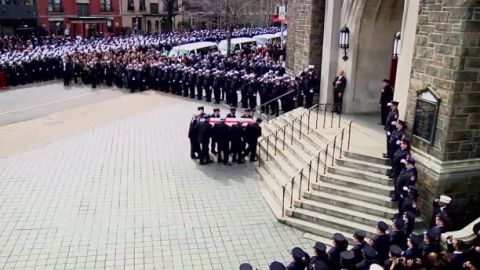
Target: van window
237 47
206 50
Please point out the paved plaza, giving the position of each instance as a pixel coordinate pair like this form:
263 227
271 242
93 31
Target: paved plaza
124 194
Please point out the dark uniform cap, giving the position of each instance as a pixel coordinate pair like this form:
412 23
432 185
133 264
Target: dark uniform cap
411 161
277 266
216 110
200 108
320 247
246 266
338 237
369 252
396 251
347 256
395 103
233 108
401 123
259 120
443 217
382 226
416 239
298 253
399 223
359 234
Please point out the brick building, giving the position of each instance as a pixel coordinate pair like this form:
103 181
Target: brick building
147 16
80 17
18 17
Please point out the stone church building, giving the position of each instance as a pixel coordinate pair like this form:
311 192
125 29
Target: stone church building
436 74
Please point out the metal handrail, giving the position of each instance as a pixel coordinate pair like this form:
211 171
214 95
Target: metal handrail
259 107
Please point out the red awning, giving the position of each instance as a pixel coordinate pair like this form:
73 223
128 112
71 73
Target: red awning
277 19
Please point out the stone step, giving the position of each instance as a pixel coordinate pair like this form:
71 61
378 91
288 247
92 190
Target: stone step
356 183
274 186
351 203
318 230
308 141
295 159
280 170
340 212
360 174
324 134
363 165
367 158
353 193
328 221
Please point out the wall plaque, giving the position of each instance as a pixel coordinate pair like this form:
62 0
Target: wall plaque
426 113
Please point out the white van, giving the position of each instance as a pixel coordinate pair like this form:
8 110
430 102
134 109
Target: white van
236 44
264 40
203 47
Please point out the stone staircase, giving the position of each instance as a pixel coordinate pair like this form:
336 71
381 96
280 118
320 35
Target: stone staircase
352 194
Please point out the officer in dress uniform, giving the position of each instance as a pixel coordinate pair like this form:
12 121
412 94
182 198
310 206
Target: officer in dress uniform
236 142
440 206
339 85
312 86
340 244
390 123
397 234
221 135
401 153
395 252
67 71
217 85
381 241
300 259
199 84
320 260
347 260
414 242
253 131
207 84
215 114
276 266
192 134
407 177
358 245
369 257
232 113
409 219
204 133
386 96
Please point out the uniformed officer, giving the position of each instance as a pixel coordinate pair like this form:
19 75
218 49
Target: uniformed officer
390 124
340 244
192 135
312 86
358 245
217 85
67 71
397 234
431 243
221 135
413 251
395 252
347 260
386 96
277 266
204 133
237 144
321 258
369 257
381 241
440 206
406 178
232 112
300 259
253 131
401 153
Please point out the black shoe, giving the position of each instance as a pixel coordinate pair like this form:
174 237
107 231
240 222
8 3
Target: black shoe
228 164
209 161
385 155
241 162
220 161
214 152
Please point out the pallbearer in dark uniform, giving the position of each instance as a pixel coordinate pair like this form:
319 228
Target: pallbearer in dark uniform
232 113
339 85
391 123
192 134
215 114
67 71
253 131
385 97
204 133
397 234
221 135
236 140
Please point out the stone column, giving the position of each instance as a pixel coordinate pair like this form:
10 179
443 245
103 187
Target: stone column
447 59
305 34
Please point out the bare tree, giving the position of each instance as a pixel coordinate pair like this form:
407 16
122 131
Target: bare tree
172 8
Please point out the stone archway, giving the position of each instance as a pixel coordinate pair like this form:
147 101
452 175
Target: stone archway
380 20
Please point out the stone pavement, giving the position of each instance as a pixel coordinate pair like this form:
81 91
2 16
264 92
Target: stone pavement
125 195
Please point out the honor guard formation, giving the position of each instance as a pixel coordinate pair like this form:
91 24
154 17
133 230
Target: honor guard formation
395 246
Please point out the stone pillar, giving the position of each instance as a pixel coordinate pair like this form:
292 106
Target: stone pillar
447 59
305 34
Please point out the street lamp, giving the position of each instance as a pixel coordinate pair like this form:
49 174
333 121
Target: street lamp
397 45
345 41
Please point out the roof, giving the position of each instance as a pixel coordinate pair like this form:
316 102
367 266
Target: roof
265 36
195 45
239 40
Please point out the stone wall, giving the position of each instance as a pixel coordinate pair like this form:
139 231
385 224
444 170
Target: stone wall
305 34
447 59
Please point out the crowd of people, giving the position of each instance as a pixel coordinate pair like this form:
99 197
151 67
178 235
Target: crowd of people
212 133
391 248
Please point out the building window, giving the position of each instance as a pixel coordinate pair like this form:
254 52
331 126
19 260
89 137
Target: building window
106 5
142 5
131 5
56 28
154 8
83 10
55 6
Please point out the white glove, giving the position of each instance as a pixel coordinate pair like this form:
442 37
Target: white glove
398 142
389 133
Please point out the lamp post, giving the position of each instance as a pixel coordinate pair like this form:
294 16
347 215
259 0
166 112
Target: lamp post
345 41
397 45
